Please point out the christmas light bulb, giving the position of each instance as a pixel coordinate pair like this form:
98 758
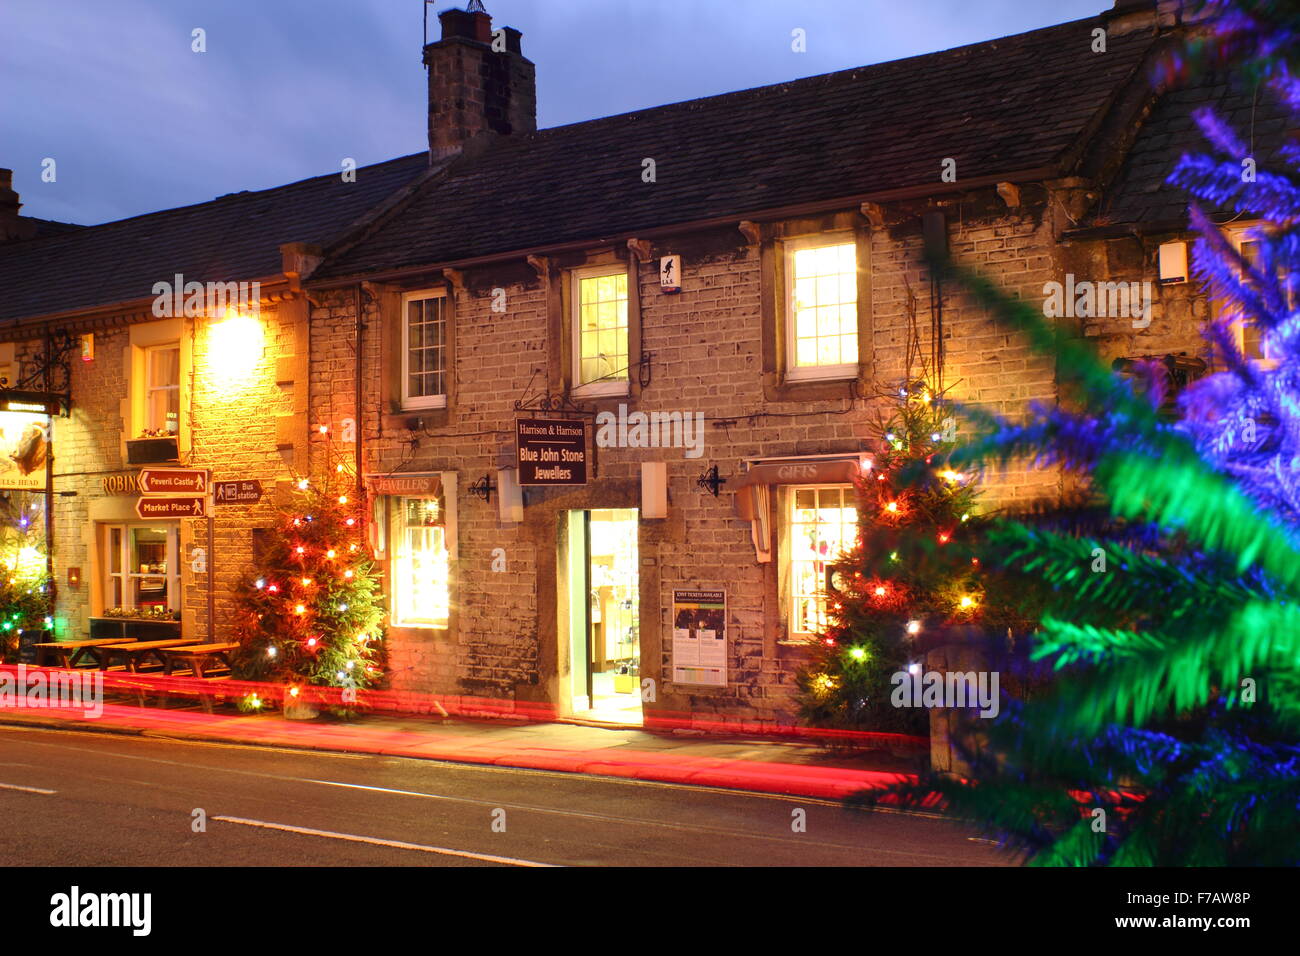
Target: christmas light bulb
324 429
329 553
347 573
271 652
306 582
300 549
967 601
880 592
302 484
913 627
857 653
293 692
300 609
259 584
343 499
892 507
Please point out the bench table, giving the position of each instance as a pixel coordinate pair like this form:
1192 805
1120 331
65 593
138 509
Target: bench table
196 656
69 654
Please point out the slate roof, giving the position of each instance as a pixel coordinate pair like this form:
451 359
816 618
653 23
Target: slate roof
1140 197
997 107
231 238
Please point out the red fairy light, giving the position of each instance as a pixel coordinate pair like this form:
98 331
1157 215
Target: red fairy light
944 537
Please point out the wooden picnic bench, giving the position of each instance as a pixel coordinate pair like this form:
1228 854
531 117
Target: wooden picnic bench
69 654
197 657
137 652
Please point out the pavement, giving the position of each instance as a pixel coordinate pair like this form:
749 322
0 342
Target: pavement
758 764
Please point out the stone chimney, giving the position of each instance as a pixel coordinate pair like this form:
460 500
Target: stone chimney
12 226
479 82
1130 16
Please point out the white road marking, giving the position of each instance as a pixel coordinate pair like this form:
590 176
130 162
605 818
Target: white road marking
14 786
395 844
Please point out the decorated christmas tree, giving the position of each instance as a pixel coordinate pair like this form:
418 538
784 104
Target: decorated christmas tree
24 582
1172 734
311 612
910 569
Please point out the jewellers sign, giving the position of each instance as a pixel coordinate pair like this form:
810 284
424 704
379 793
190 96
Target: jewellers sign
551 451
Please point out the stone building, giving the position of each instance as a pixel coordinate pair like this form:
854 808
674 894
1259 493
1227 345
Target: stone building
747 268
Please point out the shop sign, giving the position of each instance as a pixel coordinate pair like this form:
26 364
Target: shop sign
411 486
551 451
24 446
700 636
125 484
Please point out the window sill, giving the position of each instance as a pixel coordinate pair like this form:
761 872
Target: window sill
601 390
827 373
424 404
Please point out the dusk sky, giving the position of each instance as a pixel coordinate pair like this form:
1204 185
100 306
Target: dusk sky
286 89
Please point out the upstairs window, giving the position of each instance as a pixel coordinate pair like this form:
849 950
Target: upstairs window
424 349
821 308
162 391
600 331
1249 335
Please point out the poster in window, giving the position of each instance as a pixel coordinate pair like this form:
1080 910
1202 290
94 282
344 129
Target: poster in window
700 637
24 444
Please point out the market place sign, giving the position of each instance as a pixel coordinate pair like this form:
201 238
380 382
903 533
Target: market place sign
154 509
551 451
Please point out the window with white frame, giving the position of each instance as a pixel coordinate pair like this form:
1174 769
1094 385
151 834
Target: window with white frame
141 567
1249 335
821 316
421 563
600 334
424 349
822 523
162 390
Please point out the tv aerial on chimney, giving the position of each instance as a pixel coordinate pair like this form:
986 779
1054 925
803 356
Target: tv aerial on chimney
474 6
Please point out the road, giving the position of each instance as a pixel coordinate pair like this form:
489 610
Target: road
94 799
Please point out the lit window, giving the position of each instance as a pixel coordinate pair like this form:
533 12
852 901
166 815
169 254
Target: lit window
823 524
141 569
421 563
424 350
600 331
1249 335
162 395
822 310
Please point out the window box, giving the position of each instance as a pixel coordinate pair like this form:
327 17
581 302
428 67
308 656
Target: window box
151 451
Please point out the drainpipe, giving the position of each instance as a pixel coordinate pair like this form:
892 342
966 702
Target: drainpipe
356 293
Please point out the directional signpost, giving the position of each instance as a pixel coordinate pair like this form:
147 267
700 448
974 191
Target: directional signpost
174 481
245 492
167 508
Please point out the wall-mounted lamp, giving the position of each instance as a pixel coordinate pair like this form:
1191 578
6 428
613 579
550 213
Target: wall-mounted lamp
710 482
74 577
483 488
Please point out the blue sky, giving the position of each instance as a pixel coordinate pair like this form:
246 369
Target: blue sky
137 122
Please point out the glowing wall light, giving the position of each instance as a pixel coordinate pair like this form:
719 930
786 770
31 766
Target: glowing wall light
234 347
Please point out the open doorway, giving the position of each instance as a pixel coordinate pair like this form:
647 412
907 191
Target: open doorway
605 628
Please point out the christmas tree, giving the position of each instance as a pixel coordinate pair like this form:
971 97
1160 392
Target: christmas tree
1172 734
910 569
24 582
311 610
